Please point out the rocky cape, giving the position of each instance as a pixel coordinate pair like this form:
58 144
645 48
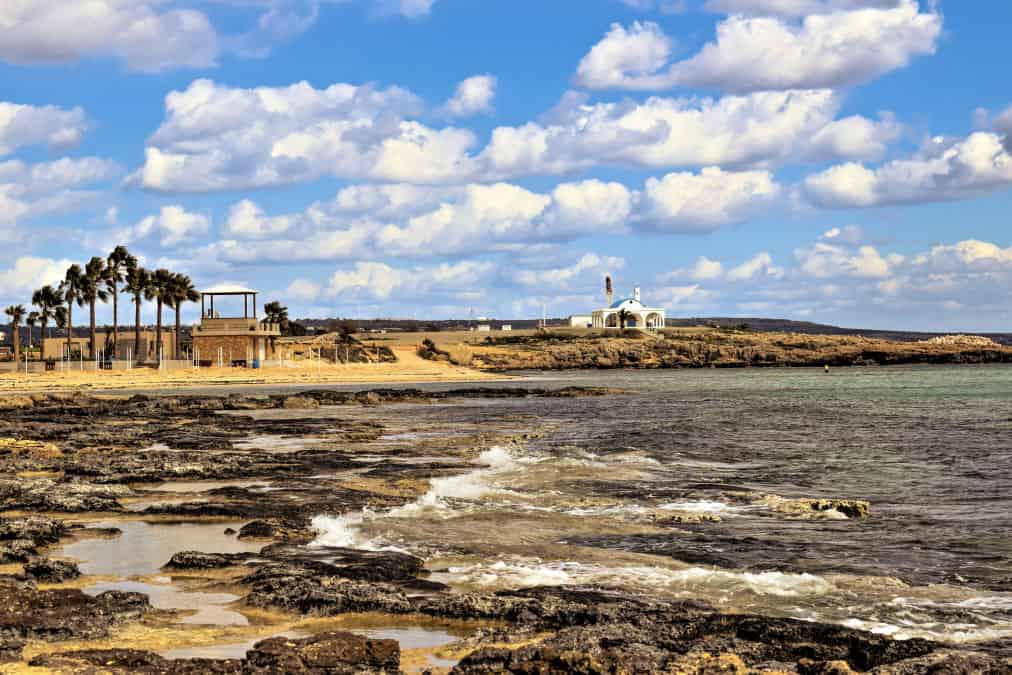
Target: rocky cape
706 348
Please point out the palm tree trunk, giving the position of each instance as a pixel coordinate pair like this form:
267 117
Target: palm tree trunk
16 335
42 339
158 333
91 338
115 321
70 329
137 328
179 354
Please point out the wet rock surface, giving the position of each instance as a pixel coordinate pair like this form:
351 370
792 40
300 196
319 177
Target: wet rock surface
27 613
109 455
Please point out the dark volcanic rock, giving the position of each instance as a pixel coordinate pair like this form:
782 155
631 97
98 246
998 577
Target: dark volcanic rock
348 563
37 529
47 495
657 644
132 661
195 560
65 614
16 550
51 571
304 590
335 653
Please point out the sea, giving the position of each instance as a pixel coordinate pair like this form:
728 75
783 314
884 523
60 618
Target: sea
691 484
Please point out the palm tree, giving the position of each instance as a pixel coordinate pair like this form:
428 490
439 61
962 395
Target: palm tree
93 291
138 280
70 292
16 313
46 301
181 290
160 290
118 264
275 312
624 315
31 322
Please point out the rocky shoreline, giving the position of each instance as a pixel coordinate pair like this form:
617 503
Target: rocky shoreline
713 348
68 462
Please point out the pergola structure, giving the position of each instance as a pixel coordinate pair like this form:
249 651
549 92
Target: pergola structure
247 294
233 340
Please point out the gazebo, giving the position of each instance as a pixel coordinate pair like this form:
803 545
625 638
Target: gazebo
232 340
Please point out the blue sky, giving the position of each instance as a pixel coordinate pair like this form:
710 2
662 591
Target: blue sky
843 161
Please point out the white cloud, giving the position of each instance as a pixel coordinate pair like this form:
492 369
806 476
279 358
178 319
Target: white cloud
824 260
706 269
766 53
472 96
413 222
590 267
945 169
663 132
589 206
707 200
247 221
216 137
173 225
795 7
1003 125
760 265
303 290
138 31
625 56
28 190
379 281
662 6
28 273
493 213
23 125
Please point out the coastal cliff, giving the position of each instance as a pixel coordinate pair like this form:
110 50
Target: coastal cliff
704 347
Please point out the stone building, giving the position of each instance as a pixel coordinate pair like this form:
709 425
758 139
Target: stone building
233 339
56 347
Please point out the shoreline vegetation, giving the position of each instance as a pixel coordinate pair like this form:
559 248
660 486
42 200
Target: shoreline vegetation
568 349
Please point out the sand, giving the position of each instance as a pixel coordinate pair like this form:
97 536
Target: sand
409 368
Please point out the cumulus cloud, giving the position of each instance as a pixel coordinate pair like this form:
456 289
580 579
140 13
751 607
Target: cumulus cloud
795 7
590 267
766 53
147 36
707 200
172 226
28 190
216 137
706 269
378 281
666 133
410 221
825 260
662 6
472 96
758 266
24 125
28 273
945 169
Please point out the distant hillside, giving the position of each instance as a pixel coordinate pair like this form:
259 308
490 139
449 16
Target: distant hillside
760 325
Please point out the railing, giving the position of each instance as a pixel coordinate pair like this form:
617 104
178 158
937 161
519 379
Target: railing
210 326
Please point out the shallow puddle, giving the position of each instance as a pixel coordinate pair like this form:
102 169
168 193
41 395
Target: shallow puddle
209 607
205 485
235 650
144 547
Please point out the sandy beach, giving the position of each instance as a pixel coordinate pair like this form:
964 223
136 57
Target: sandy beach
409 368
